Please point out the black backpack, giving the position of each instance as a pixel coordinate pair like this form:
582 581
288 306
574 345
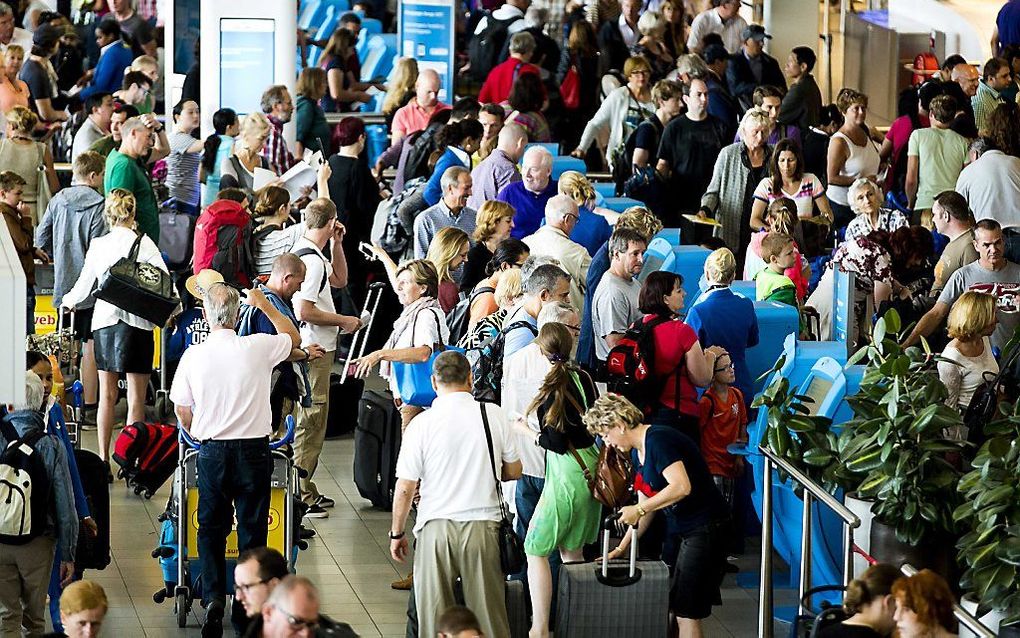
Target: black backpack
457 320
24 487
488 369
423 145
489 47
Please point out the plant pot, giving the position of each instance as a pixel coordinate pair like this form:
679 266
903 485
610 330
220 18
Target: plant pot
933 552
990 619
862 535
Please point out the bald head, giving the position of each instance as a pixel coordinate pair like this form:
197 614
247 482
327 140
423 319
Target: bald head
512 140
426 88
287 275
967 76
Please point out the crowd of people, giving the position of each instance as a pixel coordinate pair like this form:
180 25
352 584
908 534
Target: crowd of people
484 245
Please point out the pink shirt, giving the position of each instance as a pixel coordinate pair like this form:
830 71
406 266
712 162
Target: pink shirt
412 118
226 381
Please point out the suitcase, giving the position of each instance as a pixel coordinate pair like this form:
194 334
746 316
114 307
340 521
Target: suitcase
147 454
517 609
376 444
176 236
621 598
345 389
94 553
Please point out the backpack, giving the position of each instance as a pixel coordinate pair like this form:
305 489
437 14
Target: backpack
457 320
630 366
423 145
390 231
223 242
488 48
304 252
487 370
24 487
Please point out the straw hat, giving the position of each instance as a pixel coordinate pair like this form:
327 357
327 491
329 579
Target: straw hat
198 284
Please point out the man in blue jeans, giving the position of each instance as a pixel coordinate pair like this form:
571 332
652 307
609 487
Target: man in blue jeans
221 394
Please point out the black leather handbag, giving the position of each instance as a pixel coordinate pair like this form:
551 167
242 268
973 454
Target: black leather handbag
511 547
139 288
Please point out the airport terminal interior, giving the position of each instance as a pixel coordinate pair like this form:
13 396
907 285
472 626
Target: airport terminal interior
739 278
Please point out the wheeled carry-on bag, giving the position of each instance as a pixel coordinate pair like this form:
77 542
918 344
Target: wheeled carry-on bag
147 454
94 552
345 388
376 445
615 598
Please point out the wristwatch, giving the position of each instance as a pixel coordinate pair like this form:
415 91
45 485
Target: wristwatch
305 350
394 536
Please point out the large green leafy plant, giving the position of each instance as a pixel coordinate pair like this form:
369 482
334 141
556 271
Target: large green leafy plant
894 450
991 511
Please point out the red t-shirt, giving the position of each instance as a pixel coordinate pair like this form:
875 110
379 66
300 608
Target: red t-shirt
720 422
672 341
496 88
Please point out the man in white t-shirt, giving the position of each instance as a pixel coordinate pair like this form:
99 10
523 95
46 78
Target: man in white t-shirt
221 394
447 449
320 324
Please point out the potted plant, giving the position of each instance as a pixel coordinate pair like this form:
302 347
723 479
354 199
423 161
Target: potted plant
990 550
894 450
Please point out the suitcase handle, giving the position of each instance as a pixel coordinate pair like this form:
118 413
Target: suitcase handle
375 291
611 576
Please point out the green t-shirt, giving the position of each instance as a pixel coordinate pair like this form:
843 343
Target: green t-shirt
941 155
104 145
124 172
773 286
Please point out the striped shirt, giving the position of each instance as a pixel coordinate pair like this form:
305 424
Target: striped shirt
268 248
182 169
810 190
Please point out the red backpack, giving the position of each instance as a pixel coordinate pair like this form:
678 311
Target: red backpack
630 366
223 242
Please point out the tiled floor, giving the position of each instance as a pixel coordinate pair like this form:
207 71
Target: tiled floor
349 560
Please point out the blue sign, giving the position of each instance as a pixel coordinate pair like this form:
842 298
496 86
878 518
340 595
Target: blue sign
426 32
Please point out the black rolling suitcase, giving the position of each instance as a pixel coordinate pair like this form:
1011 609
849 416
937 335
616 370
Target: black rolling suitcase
376 445
345 389
94 552
623 598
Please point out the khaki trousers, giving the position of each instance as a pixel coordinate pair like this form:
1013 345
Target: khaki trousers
24 578
469 549
310 426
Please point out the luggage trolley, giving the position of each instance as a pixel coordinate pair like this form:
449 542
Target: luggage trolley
181 567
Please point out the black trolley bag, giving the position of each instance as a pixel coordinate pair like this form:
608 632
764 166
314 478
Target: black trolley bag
94 551
613 598
376 445
345 388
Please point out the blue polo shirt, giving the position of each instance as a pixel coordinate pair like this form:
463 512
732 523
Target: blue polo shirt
592 231
1008 23
529 207
727 320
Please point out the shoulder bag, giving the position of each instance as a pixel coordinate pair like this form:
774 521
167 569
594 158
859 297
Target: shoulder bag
139 288
414 380
511 548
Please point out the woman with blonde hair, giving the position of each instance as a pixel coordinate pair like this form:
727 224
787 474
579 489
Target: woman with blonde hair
675 482
852 154
493 224
19 152
13 90
621 111
676 25
651 46
313 132
869 599
592 229
123 341
238 170
728 197
448 251
566 517
968 357
722 318
401 88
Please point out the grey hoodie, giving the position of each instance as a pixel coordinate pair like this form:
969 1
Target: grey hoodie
62 519
73 218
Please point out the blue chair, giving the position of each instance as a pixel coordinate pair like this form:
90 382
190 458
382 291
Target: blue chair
620 204
672 235
606 189
378 140
744 288
658 252
310 9
686 261
843 318
371 25
390 39
378 60
564 163
330 20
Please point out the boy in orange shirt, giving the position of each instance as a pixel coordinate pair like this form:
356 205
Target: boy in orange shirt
722 421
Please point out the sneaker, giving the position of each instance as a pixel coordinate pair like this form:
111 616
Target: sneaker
316 511
305 533
213 626
325 502
404 584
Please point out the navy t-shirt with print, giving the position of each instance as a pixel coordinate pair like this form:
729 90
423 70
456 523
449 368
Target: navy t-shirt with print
664 446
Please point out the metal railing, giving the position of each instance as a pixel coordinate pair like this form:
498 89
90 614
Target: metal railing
813 492
965 617
375 117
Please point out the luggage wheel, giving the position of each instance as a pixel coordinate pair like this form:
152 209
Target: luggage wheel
182 607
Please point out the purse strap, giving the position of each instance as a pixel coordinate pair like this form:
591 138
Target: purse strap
492 462
439 346
573 450
133 253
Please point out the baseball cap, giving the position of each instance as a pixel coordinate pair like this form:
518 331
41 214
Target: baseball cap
755 31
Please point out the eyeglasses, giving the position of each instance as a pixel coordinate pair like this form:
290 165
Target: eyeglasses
569 215
728 366
573 328
243 589
297 624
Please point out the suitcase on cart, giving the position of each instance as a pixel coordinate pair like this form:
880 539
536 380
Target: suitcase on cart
618 598
94 552
376 445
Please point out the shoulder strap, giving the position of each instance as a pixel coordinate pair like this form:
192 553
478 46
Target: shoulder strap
492 459
519 324
304 252
133 253
479 292
8 431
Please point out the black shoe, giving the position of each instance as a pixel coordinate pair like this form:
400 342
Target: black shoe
213 627
325 502
316 511
306 533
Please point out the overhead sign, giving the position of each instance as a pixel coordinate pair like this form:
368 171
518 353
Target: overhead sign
426 32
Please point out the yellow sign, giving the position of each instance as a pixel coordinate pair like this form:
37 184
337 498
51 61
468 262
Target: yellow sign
277 529
46 323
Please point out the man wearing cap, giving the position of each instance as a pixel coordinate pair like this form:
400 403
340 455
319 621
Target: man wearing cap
221 396
40 87
751 67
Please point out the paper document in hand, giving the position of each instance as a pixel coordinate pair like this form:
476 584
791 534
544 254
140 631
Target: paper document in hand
313 158
262 177
708 221
298 179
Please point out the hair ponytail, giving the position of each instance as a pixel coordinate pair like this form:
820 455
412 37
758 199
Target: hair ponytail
559 387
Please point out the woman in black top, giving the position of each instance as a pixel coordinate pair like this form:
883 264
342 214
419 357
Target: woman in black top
672 477
493 224
566 517
869 599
